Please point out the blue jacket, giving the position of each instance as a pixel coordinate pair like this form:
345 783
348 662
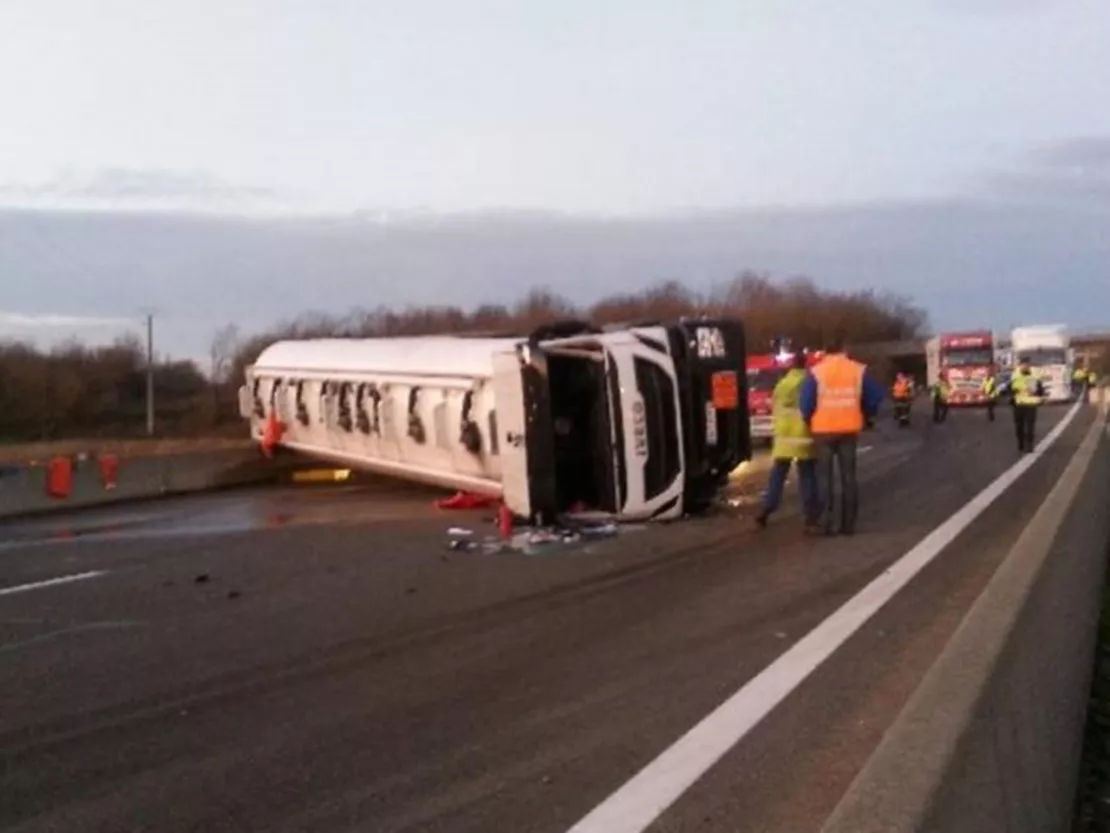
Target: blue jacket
872 398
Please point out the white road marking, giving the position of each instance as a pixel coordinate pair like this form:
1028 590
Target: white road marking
641 800
23 588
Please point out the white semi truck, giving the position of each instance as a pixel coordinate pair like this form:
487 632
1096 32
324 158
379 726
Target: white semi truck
643 422
1047 347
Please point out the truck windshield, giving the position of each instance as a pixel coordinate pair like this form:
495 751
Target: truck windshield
1045 356
968 358
660 415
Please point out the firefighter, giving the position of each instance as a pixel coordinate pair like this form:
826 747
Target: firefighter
1078 381
990 390
792 444
1027 392
902 394
940 398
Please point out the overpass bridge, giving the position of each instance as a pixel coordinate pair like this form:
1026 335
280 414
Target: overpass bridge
1087 345
909 355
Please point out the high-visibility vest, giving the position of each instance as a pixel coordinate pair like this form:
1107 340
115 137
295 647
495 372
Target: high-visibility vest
839 389
990 387
1079 375
792 439
1091 378
901 389
1025 389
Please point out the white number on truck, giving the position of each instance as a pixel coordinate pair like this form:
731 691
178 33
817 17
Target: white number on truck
711 343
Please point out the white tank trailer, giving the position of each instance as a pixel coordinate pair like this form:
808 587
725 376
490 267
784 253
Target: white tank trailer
640 422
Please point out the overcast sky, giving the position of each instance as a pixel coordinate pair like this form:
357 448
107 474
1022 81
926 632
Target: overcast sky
755 113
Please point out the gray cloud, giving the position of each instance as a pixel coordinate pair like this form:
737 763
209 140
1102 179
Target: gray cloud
969 261
980 7
1083 153
115 185
1073 172
50 320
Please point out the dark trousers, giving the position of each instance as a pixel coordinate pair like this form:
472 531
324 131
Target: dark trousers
807 487
836 466
902 408
990 409
940 409
1025 424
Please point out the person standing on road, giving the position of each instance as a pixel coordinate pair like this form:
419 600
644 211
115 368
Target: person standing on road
792 443
940 398
839 400
1027 392
990 390
902 394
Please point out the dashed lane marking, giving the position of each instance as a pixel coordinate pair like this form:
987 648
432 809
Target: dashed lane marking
52 582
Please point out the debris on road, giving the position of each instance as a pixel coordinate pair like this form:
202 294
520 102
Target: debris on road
543 540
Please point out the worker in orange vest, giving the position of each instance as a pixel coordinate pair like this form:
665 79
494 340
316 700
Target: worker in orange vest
839 400
902 394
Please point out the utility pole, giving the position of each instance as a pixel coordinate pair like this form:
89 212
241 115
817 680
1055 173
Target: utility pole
150 374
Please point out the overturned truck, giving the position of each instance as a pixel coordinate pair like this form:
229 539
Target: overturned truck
641 422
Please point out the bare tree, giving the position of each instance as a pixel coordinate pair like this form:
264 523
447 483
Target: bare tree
221 353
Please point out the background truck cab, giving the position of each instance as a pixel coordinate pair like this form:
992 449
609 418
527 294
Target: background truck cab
967 358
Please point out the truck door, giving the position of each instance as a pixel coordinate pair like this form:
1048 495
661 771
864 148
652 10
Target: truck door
524 431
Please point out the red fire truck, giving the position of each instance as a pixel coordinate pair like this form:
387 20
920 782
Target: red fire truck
764 372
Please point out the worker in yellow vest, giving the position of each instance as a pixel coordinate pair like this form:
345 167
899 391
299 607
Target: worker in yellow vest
1028 393
792 444
1078 381
941 391
990 391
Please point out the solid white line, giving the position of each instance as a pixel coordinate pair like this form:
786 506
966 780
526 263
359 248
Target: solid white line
23 588
641 800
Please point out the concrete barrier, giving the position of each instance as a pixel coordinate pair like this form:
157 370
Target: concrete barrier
993 736
23 490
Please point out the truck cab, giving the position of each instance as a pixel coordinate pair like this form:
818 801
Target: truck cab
967 358
764 370
1047 348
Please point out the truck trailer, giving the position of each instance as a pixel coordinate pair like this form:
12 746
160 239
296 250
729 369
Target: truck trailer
641 423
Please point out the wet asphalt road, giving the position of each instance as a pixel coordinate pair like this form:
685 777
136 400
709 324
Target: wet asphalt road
318 660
